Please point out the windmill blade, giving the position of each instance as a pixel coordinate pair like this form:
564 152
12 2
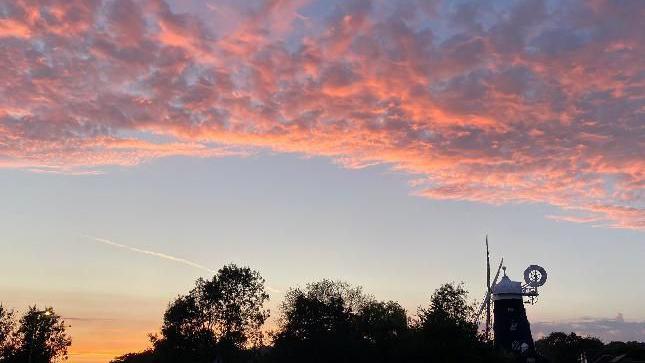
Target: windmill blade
483 305
497 274
487 295
490 290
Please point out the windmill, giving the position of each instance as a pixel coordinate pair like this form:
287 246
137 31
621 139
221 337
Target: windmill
511 328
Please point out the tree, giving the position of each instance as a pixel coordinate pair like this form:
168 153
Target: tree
219 317
559 347
449 303
146 356
331 321
185 335
317 324
233 303
446 330
40 337
631 349
7 327
384 328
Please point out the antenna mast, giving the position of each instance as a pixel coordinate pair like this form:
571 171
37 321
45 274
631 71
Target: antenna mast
488 287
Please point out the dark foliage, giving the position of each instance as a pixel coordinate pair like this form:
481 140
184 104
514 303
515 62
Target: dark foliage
147 356
328 321
446 331
39 337
332 322
185 333
633 349
7 328
319 324
559 347
384 329
218 319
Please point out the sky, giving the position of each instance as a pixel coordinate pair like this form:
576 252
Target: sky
146 143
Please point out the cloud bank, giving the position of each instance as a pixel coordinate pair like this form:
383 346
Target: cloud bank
617 329
531 101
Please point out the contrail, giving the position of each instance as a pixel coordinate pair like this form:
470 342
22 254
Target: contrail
152 253
164 256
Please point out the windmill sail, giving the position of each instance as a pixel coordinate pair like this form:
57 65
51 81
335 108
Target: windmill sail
488 289
488 293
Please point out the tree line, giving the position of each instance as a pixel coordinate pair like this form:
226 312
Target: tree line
221 319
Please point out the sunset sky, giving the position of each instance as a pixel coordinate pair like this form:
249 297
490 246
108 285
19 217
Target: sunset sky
146 143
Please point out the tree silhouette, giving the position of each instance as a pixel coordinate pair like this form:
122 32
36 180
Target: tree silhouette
384 328
316 324
185 335
147 356
446 331
632 350
233 304
7 327
331 321
218 318
559 347
40 337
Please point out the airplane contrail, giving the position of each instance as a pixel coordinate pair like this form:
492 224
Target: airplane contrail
163 256
151 253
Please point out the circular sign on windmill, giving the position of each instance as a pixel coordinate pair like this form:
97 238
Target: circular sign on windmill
535 276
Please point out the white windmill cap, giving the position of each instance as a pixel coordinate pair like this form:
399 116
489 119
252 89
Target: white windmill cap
507 289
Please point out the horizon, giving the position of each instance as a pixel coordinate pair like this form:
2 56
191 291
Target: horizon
146 144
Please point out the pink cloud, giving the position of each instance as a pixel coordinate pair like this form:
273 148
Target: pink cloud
527 104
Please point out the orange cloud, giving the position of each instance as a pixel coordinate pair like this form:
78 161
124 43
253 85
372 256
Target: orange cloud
12 28
534 105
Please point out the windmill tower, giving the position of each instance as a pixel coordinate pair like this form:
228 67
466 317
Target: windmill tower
511 327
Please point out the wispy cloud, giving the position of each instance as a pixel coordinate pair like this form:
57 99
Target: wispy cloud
163 256
151 253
